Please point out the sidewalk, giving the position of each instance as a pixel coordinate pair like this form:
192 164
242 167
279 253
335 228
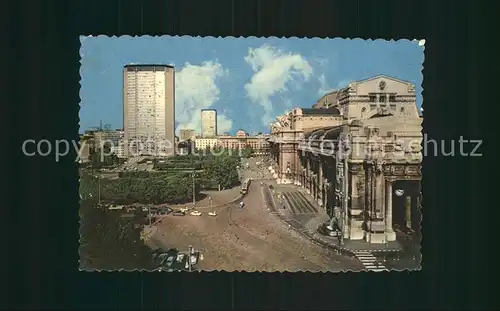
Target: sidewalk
308 226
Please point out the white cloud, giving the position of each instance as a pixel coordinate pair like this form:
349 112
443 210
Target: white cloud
325 88
274 70
195 89
223 124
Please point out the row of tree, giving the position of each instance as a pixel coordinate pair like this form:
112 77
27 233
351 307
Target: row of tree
154 189
223 171
215 169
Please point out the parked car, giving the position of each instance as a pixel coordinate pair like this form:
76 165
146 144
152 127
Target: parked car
115 207
165 211
154 211
165 260
159 258
168 265
179 213
325 229
195 213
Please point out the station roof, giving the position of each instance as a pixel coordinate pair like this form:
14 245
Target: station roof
147 65
320 111
324 132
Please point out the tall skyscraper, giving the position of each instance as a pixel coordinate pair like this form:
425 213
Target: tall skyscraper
149 110
208 122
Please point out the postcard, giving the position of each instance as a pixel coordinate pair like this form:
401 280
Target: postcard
250 154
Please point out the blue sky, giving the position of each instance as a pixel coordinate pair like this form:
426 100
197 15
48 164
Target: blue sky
249 81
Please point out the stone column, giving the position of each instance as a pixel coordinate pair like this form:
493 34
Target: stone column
325 195
308 174
320 182
389 232
354 191
379 194
369 191
388 205
314 177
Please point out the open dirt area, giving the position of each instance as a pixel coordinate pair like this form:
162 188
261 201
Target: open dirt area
249 239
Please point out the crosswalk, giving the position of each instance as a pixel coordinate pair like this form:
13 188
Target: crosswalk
369 261
299 204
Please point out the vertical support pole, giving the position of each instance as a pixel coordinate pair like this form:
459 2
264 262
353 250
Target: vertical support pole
408 211
194 189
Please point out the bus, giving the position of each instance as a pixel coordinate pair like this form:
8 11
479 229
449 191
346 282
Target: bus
245 185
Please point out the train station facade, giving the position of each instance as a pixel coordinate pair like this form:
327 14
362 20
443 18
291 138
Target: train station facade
358 153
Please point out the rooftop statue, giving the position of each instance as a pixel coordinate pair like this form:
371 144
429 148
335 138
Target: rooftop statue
275 127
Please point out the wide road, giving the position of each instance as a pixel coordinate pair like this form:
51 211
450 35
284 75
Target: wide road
249 239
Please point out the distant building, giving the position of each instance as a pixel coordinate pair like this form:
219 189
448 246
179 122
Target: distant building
86 142
201 143
242 140
187 134
208 123
97 139
149 109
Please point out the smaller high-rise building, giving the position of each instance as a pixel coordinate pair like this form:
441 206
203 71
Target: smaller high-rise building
208 123
187 134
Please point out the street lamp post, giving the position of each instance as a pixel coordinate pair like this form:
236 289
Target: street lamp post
149 214
346 198
190 253
99 188
194 189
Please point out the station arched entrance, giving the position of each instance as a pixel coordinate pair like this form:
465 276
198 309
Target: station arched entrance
406 210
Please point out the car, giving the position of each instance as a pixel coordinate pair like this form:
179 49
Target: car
326 229
195 213
179 213
160 258
115 207
184 209
212 213
165 211
168 265
181 258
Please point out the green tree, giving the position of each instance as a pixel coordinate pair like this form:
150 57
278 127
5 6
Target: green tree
223 170
247 152
108 241
149 188
97 160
